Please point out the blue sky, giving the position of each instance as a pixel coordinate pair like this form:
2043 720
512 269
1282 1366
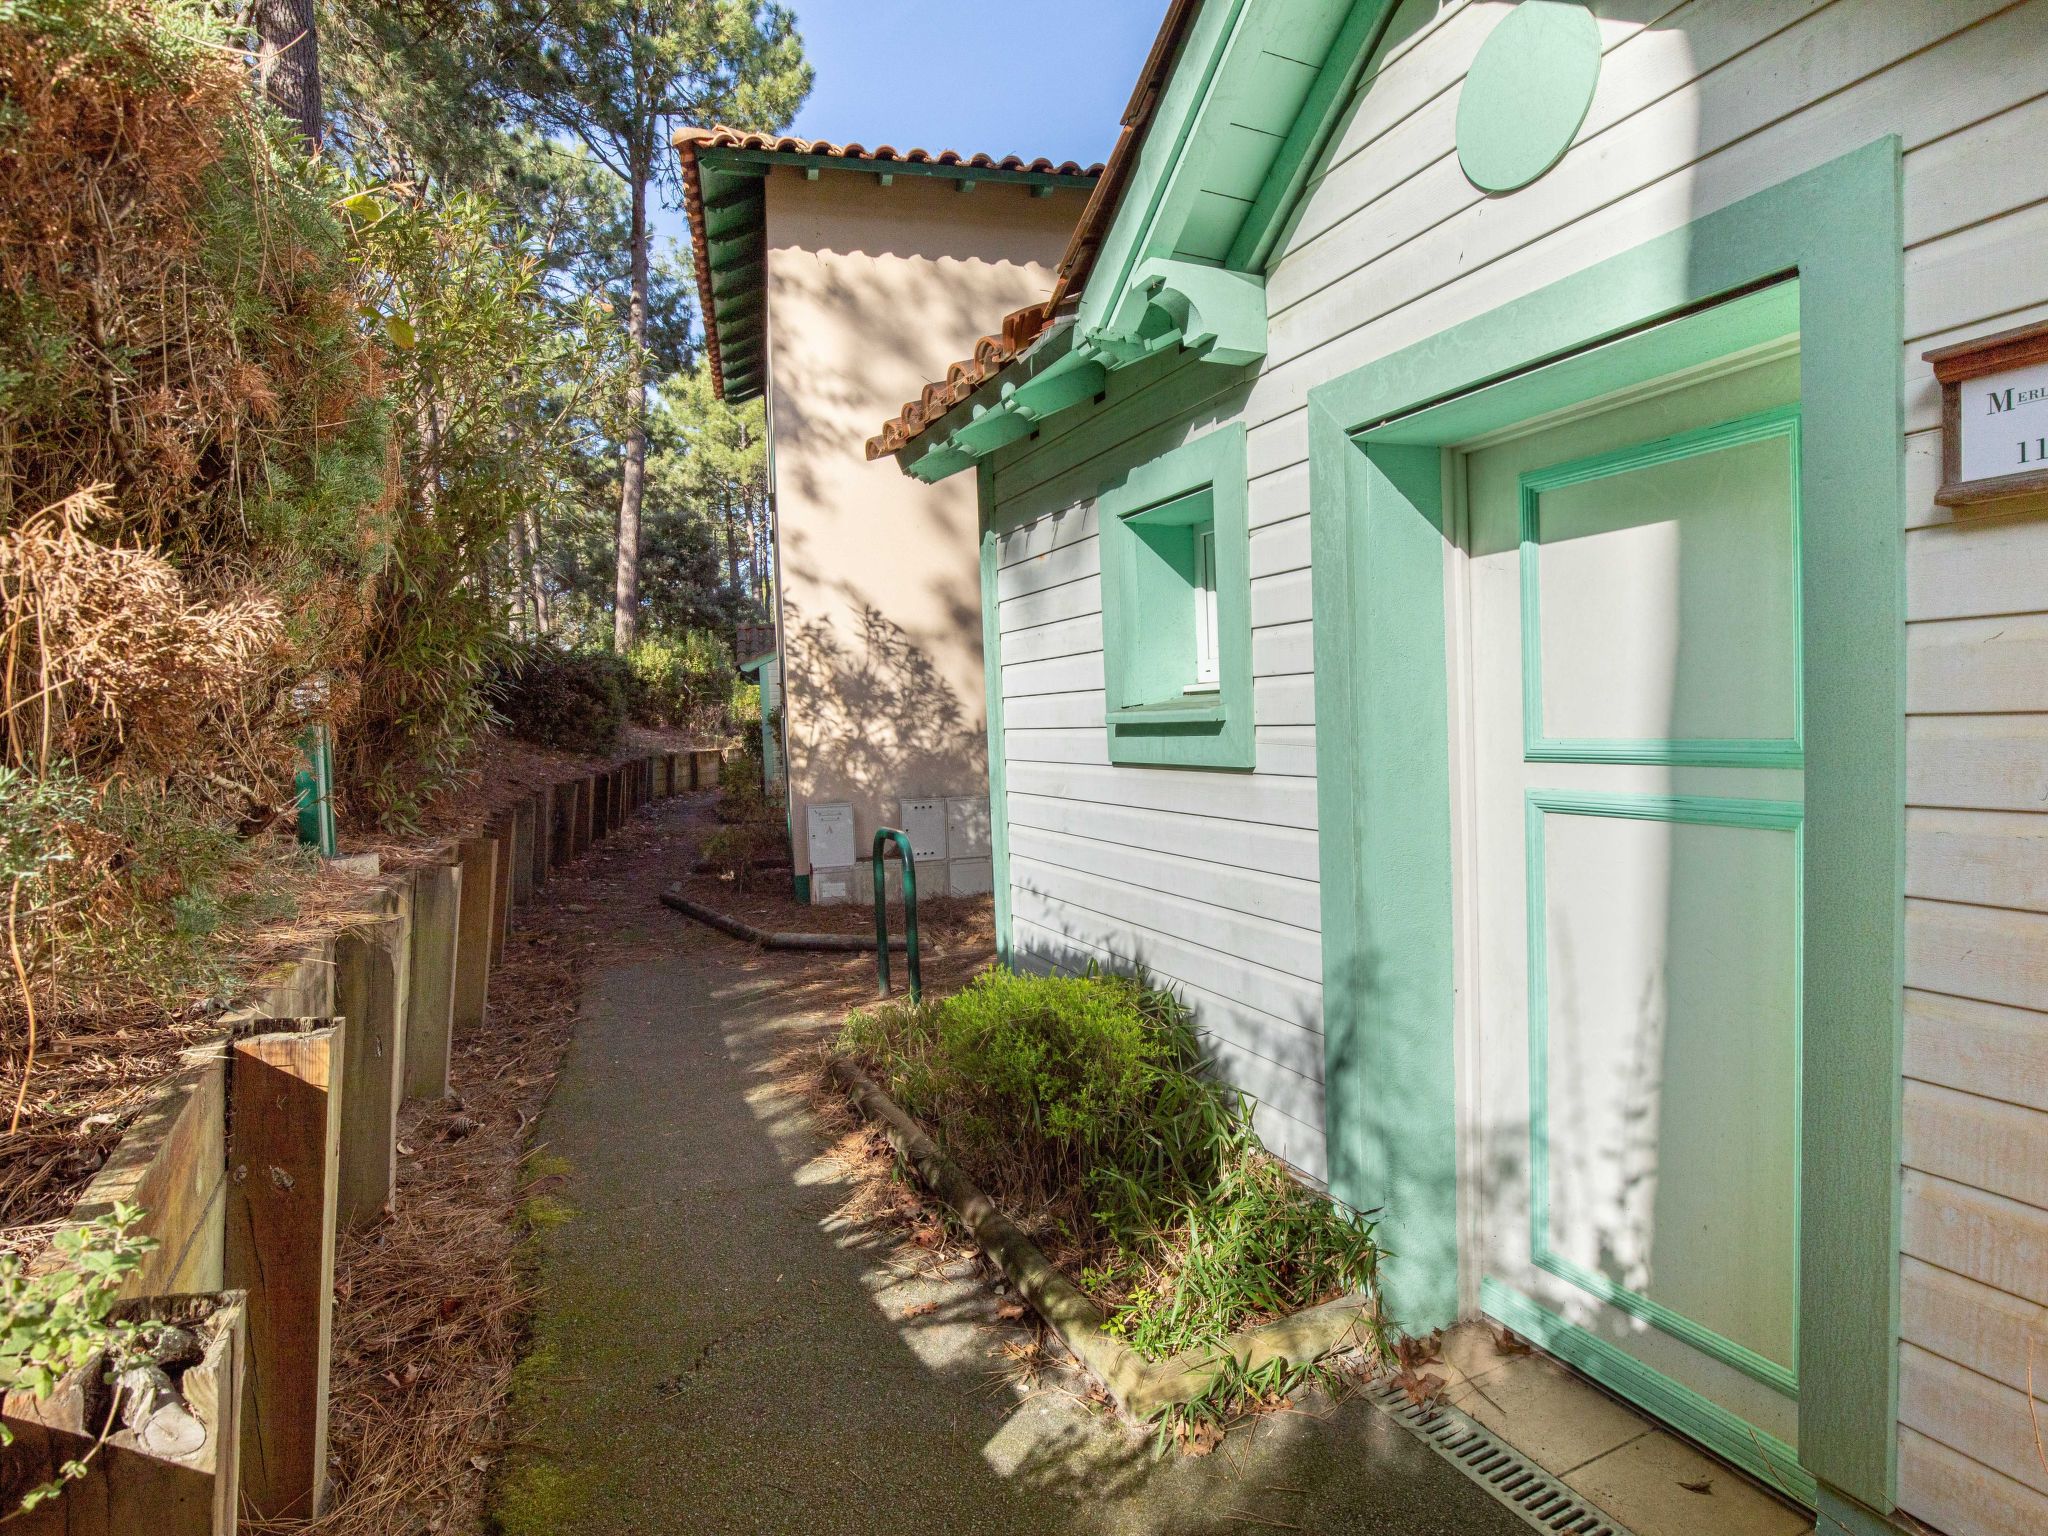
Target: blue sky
1049 78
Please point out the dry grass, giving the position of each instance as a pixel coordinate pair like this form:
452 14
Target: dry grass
106 657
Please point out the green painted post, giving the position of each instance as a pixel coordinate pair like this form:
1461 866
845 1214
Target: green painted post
883 837
315 785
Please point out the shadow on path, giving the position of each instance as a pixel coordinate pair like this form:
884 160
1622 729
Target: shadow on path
719 1350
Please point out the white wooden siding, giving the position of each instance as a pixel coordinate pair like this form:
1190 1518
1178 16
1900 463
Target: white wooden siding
1699 104
1206 880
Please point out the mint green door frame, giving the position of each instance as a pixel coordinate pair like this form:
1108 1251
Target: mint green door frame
1383 754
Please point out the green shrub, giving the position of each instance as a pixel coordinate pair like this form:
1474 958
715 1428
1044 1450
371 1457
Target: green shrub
743 706
1046 1084
680 681
1082 1104
57 1321
575 700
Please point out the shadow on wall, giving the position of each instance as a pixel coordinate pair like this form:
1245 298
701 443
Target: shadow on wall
875 718
874 334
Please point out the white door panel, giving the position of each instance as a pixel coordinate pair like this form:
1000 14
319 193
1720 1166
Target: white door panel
1634 858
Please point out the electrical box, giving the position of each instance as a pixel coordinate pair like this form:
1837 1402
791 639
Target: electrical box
971 877
831 887
967 835
925 821
829 830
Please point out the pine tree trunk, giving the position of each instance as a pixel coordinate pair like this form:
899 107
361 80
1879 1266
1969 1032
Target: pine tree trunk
534 576
732 551
626 587
288 63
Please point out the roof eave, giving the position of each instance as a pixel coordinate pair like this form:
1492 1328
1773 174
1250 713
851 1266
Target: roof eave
714 155
1125 274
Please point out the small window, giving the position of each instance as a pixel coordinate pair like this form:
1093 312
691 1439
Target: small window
1176 608
1205 610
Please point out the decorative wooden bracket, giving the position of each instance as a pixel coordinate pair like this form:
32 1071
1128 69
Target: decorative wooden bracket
1219 313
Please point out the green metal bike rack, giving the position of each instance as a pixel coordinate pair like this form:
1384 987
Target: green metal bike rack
883 838
315 785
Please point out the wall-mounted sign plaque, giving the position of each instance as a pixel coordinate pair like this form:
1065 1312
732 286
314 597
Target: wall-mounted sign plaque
1994 416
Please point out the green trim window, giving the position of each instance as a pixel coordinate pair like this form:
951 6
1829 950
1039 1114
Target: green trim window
1176 608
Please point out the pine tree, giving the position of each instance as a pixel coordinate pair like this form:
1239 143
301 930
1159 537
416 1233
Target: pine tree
616 75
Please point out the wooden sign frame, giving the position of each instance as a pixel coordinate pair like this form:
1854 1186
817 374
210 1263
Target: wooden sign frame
1953 367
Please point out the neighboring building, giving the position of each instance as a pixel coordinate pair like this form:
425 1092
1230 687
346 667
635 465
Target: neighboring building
809 258
1472 603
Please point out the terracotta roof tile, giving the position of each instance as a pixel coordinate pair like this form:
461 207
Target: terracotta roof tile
690 142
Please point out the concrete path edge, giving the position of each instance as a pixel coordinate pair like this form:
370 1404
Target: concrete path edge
739 928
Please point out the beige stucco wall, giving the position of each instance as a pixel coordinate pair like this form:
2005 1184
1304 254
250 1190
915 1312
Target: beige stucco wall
872 291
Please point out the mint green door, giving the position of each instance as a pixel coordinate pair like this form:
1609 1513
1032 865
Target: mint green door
1632 804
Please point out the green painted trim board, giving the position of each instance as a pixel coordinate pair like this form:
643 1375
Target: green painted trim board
1335 87
1382 740
992 692
1384 808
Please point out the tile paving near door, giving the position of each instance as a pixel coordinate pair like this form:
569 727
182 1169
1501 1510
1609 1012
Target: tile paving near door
1652 1481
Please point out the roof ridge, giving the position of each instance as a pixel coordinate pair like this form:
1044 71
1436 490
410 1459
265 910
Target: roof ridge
692 139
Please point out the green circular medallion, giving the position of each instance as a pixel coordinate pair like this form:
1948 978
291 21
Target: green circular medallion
1526 93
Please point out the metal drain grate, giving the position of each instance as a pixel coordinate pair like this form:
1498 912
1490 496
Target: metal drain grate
1499 1468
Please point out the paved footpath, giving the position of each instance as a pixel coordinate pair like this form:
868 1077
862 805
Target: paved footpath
717 1354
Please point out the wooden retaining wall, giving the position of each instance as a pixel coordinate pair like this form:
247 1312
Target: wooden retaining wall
282 1132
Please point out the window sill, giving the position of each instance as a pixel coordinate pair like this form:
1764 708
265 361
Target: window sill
1196 709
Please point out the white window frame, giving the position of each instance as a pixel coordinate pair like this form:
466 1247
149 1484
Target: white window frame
1206 649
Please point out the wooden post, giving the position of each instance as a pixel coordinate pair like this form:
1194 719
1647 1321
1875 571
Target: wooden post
133 1487
172 1161
543 835
501 888
473 933
562 846
283 1170
586 813
520 827
366 996
430 1013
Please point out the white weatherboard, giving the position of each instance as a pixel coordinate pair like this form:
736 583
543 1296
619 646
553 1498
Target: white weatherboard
925 821
2003 422
830 831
